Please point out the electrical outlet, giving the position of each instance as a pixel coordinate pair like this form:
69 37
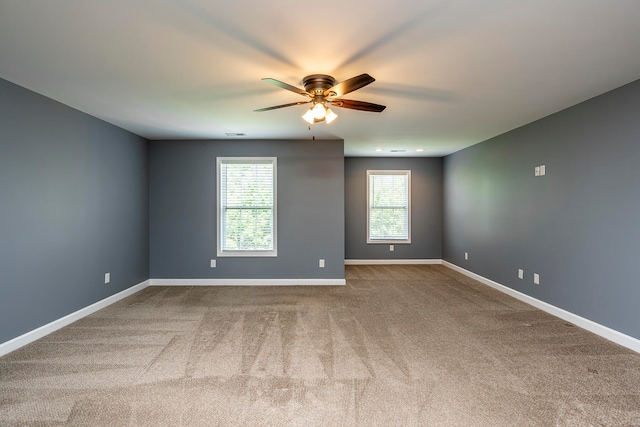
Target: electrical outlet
536 278
520 273
321 263
537 171
391 248
213 263
107 277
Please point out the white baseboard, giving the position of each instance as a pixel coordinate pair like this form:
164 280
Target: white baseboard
248 282
591 326
31 336
390 261
605 332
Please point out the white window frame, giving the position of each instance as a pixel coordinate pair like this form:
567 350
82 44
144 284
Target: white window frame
246 253
406 173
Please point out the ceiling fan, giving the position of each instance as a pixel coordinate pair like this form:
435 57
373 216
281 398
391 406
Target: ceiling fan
324 92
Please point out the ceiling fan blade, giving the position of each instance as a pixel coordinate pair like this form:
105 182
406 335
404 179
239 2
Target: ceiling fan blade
281 106
349 85
286 86
358 105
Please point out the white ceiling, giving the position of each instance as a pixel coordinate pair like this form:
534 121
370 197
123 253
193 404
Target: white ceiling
451 73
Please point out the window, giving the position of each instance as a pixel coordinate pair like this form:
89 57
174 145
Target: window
389 206
246 194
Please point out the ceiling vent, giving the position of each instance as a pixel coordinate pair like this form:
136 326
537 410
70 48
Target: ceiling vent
235 134
397 151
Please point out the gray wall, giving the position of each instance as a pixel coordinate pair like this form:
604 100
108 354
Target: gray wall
426 208
310 210
578 226
73 206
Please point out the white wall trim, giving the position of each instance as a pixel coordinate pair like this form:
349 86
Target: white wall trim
31 336
591 326
605 332
390 261
248 282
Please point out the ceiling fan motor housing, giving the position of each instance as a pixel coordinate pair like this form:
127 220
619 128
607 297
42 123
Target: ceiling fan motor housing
316 84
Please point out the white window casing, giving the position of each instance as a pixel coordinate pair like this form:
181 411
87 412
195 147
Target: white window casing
246 200
389 206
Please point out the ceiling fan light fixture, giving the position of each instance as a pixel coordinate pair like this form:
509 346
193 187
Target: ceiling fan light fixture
330 116
319 112
308 116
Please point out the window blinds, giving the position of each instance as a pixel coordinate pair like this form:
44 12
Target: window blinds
247 205
388 206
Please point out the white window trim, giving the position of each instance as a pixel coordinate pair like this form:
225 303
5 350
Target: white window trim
240 253
391 172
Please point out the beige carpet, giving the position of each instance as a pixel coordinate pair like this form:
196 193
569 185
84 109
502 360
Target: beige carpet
397 346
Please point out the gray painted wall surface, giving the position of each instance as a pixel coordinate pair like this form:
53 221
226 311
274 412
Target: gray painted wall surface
310 210
73 206
426 208
578 226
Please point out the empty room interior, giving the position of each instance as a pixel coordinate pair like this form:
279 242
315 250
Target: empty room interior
340 214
